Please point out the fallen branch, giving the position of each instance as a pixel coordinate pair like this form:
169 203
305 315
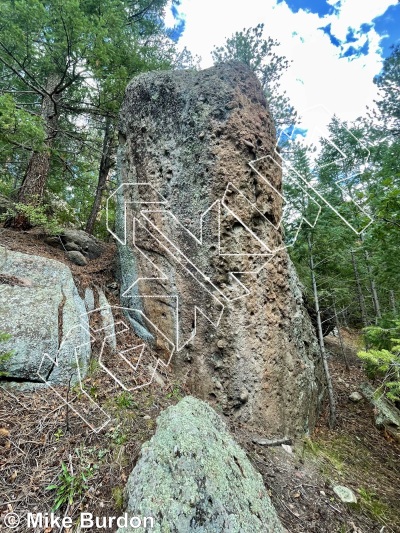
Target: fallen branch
274 442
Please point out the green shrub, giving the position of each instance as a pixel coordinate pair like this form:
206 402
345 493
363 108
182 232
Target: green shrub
382 359
125 400
382 337
70 487
36 215
118 497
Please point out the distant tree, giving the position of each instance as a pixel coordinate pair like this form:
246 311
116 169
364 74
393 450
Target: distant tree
382 359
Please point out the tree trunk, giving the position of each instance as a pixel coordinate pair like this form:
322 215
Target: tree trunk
374 292
32 188
332 415
392 302
359 291
106 163
338 326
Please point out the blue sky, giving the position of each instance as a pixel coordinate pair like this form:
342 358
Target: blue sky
388 26
336 46
321 7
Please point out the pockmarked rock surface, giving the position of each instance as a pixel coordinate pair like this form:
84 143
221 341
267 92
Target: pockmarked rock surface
41 310
192 476
202 261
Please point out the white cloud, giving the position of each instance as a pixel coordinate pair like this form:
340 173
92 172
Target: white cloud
318 75
353 13
169 17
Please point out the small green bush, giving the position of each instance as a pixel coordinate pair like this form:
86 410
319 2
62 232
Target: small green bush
36 215
382 337
125 400
382 359
70 487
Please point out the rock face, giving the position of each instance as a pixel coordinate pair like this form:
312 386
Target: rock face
387 416
192 476
107 321
203 268
42 311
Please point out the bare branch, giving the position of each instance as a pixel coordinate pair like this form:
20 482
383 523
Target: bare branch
138 14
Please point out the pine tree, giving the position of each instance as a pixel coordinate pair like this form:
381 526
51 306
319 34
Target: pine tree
67 61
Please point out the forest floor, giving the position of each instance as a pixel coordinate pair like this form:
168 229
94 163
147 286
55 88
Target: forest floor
38 433
355 454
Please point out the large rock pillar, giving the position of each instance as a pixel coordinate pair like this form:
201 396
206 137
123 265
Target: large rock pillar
204 270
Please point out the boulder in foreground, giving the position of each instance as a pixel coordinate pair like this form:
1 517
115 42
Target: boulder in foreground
192 476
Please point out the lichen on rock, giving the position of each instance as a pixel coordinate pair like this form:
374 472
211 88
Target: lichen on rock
41 310
193 477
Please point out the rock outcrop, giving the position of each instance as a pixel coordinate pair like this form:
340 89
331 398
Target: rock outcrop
78 245
79 240
76 257
41 310
107 321
203 267
192 476
387 416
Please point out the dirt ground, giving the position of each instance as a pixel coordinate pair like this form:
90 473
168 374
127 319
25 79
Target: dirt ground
38 434
355 454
